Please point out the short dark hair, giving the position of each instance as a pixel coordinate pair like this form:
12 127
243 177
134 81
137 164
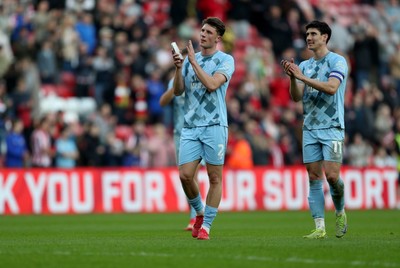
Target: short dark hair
215 23
322 27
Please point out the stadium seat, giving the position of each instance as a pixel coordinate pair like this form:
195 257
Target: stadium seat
123 132
68 79
87 105
48 89
72 105
64 91
51 103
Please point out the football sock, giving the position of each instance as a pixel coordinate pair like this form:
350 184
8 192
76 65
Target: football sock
192 212
209 215
197 205
316 199
319 223
337 193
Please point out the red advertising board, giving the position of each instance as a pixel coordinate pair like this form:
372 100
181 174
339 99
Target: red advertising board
62 191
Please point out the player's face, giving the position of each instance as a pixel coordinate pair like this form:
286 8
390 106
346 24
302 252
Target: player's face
315 39
208 37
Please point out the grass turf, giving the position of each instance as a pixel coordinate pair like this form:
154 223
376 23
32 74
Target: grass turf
238 239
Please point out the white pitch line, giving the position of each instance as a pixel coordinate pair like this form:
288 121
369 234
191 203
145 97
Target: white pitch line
61 253
354 263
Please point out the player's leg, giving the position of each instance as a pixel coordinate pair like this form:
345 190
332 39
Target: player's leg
336 187
316 199
177 138
189 158
333 155
312 157
214 139
213 199
192 213
190 187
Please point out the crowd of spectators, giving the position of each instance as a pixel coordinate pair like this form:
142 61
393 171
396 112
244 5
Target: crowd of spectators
118 53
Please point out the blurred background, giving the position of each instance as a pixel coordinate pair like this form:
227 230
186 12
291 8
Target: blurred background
80 80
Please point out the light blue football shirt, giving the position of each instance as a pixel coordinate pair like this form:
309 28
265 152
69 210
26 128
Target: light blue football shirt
322 110
203 108
178 105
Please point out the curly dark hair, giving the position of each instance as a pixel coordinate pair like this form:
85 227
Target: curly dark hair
322 27
215 23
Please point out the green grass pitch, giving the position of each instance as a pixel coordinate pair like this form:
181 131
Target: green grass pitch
238 239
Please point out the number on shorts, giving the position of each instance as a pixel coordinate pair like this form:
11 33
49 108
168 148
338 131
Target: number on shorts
221 151
337 147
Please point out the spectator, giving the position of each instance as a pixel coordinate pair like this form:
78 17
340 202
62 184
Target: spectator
84 72
393 12
365 52
383 125
6 53
363 116
69 43
258 143
359 152
240 155
40 21
42 152
103 67
92 152
105 121
66 151
240 13
22 102
139 98
136 147
394 66
5 112
47 63
278 30
106 36
383 159
121 98
17 153
114 151
341 41
161 147
155 88
87 31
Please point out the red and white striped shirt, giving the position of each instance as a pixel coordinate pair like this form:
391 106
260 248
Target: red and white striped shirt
41 145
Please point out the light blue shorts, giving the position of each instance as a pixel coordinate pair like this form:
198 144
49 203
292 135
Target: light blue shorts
323 144
208 143
177 141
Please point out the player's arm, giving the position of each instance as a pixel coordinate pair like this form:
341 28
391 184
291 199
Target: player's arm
167 97
329 87
212 83
296 89
178 85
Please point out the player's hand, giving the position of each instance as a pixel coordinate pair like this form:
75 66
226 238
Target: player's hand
191 53
177 60
286 65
